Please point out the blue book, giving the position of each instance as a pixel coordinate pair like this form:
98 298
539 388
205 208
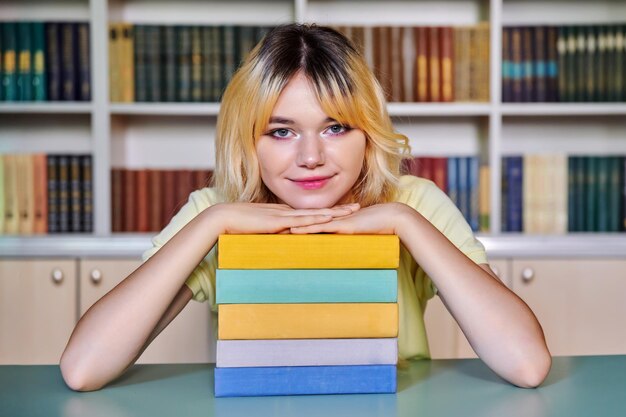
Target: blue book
253 286
463 184
453 186
305 380
504 212
472 175
515 202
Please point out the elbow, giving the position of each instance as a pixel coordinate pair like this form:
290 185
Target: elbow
75 376
532 374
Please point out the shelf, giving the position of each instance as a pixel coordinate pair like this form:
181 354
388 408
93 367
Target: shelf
563 109
132 245
165 109
47 107
439 109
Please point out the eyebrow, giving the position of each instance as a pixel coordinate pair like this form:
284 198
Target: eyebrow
284 120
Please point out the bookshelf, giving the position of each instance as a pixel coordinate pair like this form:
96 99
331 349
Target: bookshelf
170 135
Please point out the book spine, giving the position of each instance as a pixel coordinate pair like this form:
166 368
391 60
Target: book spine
581 52
264 381
572 166
485 193
307 321
86 193
463 183
562 64
580 194
552 64
421 65
127 72
196 64
516 64
9 58
601 69
570 64
504 195
24 65
434 64
84 62
53 193
603 194
143 201
228 55
453 180
115 63
591 193
130 202
68 62
64 193
515 194
169 63
610 63
207 72
541 73
620 70
39 61
75 197
141 86
184 64
40 194
153 64
117 200
614 193
280 286
528 75
473 173
156 199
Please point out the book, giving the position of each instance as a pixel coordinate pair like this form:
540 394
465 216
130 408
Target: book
306 352
299 380
252 286
317 251
307 321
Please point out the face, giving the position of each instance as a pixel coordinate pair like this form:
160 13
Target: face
307 159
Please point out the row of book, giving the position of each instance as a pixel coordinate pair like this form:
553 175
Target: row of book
42 193
194 63
149 63
144 200
555 194
465 181
564 63
44 61
306 314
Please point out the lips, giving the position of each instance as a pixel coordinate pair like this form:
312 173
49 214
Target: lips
312 183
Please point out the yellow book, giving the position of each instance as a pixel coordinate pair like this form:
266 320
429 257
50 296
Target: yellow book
307 321
317 251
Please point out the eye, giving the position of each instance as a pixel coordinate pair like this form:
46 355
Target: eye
280 133
336 130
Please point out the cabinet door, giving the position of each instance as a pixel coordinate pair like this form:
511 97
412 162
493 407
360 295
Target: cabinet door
579 303
187 339
445 338
37 310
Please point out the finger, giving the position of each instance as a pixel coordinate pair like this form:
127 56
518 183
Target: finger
300 221
330 227
333 212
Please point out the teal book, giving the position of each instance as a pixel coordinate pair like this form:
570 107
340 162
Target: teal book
9 59
579 193
572 165
256 286
24 81
603 194
591 194
38 56
615 193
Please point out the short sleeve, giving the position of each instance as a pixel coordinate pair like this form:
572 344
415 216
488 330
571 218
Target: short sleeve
432 203
202 279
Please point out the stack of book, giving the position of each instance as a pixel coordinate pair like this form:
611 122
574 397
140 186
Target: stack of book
306 314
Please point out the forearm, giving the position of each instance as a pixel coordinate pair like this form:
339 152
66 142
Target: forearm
109 336
498 324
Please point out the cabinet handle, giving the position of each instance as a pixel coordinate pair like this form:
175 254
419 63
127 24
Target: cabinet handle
528 274
57 275
96 276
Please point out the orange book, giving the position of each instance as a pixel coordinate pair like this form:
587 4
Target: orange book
307 321
40 176
434 65
446 49
396 44
421 64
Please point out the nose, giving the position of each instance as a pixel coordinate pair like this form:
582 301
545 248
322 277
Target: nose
310 152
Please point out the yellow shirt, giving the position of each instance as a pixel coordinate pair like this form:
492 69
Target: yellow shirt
414 286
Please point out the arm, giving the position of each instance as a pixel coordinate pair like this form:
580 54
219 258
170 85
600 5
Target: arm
499 326
113 333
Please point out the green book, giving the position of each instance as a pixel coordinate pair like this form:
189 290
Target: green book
279 286
572 165
589 64
39 61
196 64
570 63
24 79
579 193
581 52
562 63
603 194
591 193
615 193
184 63
620 52
601 64
610 62
9 58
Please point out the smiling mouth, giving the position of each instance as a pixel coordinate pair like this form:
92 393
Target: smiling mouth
312 183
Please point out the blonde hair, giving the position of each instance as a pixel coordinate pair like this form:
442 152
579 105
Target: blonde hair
347 91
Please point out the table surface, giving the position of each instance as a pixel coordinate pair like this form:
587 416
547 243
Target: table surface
576 386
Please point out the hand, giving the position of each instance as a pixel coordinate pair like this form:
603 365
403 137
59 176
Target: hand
240 218
377 219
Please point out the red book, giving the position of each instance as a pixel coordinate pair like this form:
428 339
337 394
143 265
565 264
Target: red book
440 173
184 187
434 66
169 196
117 200
421 64
155 184
130 204
425 168
143 197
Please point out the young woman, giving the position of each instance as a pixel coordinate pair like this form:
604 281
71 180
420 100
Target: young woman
304 144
